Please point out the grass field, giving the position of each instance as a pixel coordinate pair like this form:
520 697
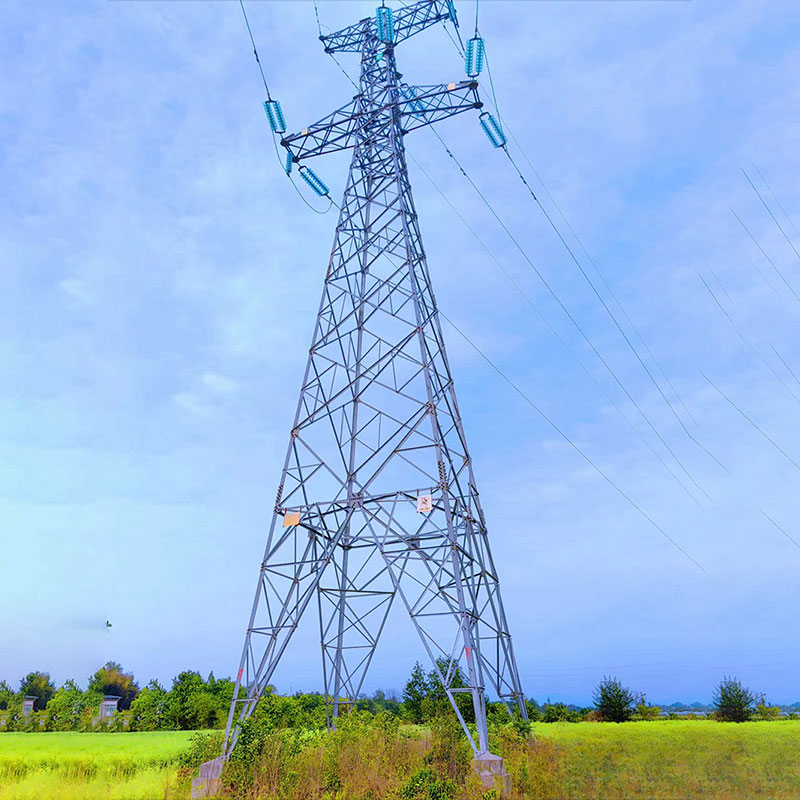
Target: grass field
665 760
73 766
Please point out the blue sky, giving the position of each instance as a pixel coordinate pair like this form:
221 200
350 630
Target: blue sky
158 287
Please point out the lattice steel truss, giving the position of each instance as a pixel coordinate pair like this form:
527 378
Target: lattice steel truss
378 427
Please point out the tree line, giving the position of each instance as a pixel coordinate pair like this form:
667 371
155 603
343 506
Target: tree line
193 703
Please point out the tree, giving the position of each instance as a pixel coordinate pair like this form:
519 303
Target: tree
38 685
733 701
416 690
438 701
67 705
6 695
148 709
183 708
112 681
614 702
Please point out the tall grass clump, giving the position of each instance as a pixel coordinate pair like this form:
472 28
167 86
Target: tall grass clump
365 756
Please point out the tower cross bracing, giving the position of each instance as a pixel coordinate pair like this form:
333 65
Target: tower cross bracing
377 501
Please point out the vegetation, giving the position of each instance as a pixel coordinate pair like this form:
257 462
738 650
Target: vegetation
614 702
80 766
38 685
193 703
111 680
733 701
378 756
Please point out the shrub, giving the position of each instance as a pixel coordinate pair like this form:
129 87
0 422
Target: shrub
450 750
558 712
733 701
427 784
613 700
646 712
765 712
202 747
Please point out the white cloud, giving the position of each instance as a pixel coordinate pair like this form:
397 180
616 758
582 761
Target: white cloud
219 384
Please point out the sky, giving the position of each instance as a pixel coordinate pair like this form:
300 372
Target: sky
159 280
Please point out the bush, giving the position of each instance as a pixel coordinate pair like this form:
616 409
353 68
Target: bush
202 747
646 712
450 752
614 701
558 712
765 712
427 784
733 701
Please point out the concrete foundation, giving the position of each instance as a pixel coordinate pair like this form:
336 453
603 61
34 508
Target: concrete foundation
208 783
491 771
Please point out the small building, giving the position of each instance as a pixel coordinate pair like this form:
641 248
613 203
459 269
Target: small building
27 705
109 706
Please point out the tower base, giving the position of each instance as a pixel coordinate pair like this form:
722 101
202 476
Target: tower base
208 783
491 771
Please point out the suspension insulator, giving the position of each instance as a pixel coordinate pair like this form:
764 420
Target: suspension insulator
314 181
473 58
385 23
289 160
275 116
409 93
492 129
451 12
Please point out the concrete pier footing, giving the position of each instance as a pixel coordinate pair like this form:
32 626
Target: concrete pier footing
208 783
491 771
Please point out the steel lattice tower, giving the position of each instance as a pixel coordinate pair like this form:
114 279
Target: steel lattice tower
377 498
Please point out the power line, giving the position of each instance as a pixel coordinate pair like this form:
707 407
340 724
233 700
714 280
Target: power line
793 541
783 361
775 198
763 252
746 342
255 50
764 277
719 282
581 245
774 218
569 441
555 333
577 325
611 315
768 438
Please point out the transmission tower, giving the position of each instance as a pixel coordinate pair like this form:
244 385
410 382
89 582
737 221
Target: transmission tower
377 499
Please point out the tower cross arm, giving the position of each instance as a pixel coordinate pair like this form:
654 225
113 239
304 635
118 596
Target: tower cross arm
407 21
417 106
424 105
335 132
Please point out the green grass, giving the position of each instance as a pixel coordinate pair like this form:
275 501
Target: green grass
662 760
158 747
91 766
